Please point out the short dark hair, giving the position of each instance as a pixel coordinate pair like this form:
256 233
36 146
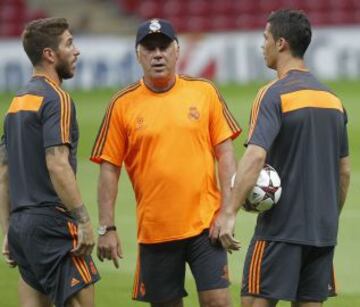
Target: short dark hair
294 27
42 33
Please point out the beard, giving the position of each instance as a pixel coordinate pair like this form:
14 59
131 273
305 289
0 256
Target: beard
63 70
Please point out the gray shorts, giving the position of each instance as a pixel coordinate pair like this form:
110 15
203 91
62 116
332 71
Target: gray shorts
40 240
292 272
160 273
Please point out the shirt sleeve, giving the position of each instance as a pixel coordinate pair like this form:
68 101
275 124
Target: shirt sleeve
56 118
265 119
110 143
222 123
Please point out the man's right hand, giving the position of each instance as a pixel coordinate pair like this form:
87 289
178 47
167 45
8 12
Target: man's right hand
109 247
86 240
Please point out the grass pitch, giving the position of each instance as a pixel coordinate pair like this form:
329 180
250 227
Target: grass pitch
116 285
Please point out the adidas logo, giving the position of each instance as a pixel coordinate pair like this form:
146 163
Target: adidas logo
74 282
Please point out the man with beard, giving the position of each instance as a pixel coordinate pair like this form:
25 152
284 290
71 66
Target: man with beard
48 233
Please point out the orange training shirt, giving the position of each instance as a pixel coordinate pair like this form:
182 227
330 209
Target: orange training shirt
166 141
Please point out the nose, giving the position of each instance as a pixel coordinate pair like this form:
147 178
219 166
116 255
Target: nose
157 52
76 51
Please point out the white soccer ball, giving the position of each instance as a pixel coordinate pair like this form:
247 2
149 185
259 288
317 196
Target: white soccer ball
266 192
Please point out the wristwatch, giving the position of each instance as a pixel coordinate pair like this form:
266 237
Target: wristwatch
103 229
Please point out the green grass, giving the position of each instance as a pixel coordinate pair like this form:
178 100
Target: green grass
115 287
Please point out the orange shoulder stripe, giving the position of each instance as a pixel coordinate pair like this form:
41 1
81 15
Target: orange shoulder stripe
310 99
26 102
65 111
104 127
256 107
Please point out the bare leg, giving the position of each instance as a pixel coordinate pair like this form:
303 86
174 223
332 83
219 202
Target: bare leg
262 302
215 298
174 303
83 298
29 297
247 301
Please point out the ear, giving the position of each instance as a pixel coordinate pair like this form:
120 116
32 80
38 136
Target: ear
282 44
49 55
137 50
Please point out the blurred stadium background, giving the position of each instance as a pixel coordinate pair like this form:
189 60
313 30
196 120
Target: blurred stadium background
220 40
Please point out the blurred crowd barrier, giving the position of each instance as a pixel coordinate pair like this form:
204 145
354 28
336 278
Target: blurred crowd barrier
223 57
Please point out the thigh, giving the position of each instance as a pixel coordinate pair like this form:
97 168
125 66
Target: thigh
271 270
317 280
160 272
208 263
30 297
82 298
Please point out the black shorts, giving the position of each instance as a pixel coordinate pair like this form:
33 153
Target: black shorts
40 240
160 272
284 271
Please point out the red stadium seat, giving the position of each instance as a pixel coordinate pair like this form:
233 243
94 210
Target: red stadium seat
198 8
150 9
222 7
246 7
174 8
222 23
198 24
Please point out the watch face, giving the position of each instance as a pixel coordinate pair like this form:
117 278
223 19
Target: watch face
101 230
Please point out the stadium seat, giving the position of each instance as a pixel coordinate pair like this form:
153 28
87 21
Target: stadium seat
198 8
174 8
150 9
222 7
198 24
246 7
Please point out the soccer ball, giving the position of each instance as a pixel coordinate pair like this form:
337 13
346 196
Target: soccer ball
266 192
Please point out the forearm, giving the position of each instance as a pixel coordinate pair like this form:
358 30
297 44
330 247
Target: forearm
344 180
4 191
226 169
107 193
247 173
63 178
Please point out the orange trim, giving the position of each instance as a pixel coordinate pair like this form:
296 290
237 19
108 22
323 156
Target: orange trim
255 268
258 268
79 263
65 111
253 260
26 103
310 99
137 276
256 107
103 130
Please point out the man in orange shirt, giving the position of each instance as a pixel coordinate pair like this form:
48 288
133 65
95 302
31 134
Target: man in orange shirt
169 130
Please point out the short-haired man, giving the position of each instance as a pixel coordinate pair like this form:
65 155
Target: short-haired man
48 233
168 130
298 126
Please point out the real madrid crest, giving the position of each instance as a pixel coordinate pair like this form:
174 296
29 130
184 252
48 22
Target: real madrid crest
194 113
155 25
